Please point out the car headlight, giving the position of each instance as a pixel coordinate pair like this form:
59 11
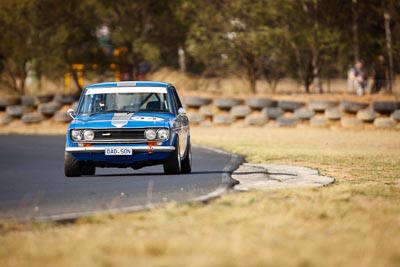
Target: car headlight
76 135
88 135
150 134
163 134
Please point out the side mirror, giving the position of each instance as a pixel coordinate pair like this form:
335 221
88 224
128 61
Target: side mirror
182 111
71 113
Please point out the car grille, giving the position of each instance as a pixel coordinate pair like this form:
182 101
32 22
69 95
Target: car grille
119 136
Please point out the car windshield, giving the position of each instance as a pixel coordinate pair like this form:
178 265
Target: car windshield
106 101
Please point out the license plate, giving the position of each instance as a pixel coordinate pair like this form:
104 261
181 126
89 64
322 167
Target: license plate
118 151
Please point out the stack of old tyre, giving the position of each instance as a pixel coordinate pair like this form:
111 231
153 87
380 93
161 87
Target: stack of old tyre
35 109
259 111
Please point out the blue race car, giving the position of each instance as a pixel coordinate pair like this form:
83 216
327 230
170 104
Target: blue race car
128 124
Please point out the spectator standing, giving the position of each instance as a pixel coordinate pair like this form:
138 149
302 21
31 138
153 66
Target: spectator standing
380 74
358 78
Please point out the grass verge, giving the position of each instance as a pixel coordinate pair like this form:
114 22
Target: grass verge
355 222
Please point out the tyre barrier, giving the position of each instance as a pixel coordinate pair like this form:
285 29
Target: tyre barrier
196 117
290 105
207 111
29 101
61 116
286 122
385 107
258 103
227 103
5 119
319 121
3 103
65 99
256 120
396 115
384 123
223 119
304 114
48 109
257 111
366 115
272 113
196 102
45 98
321 106
240 111
9 101
32 118
333 114
15 111
347 122
352 107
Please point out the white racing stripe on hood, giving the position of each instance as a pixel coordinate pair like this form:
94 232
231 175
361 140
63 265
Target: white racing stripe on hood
119 120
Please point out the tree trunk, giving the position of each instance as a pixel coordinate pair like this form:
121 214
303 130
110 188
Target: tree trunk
251 78
76 80
356 43
317 80
388 32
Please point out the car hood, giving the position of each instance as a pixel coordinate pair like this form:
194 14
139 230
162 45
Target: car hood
122 120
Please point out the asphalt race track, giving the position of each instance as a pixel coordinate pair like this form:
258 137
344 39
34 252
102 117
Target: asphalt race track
33 186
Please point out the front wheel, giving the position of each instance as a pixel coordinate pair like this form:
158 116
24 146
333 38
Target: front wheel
72 167
186 163
172 164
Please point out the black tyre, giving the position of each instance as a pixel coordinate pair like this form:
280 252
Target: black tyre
195 101
32 118
258 103
321 106
65 99
272 113
28 101
227 103
352 107
88 170
384 123
172 164
223 119
290 105
186 163
240 111
286 122
15 111
45 98
72 167
49 109
385 107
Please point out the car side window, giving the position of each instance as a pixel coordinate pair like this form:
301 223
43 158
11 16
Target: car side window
178 103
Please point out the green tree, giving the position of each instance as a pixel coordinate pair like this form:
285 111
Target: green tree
238 36
143 31
16 43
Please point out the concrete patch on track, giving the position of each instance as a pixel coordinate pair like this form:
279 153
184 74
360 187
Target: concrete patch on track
273 176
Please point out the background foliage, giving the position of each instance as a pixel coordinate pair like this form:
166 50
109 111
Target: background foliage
309 40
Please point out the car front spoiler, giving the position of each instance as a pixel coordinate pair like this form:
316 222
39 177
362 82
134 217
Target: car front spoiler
100 149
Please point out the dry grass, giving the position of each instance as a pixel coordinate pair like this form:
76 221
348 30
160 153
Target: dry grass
355 222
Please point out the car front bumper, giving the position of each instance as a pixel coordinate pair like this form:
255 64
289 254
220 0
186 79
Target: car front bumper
101 149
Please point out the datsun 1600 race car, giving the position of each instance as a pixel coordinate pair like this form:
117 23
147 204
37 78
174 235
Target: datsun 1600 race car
128 124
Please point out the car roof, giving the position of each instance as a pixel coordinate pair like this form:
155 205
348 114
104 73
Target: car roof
129 84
